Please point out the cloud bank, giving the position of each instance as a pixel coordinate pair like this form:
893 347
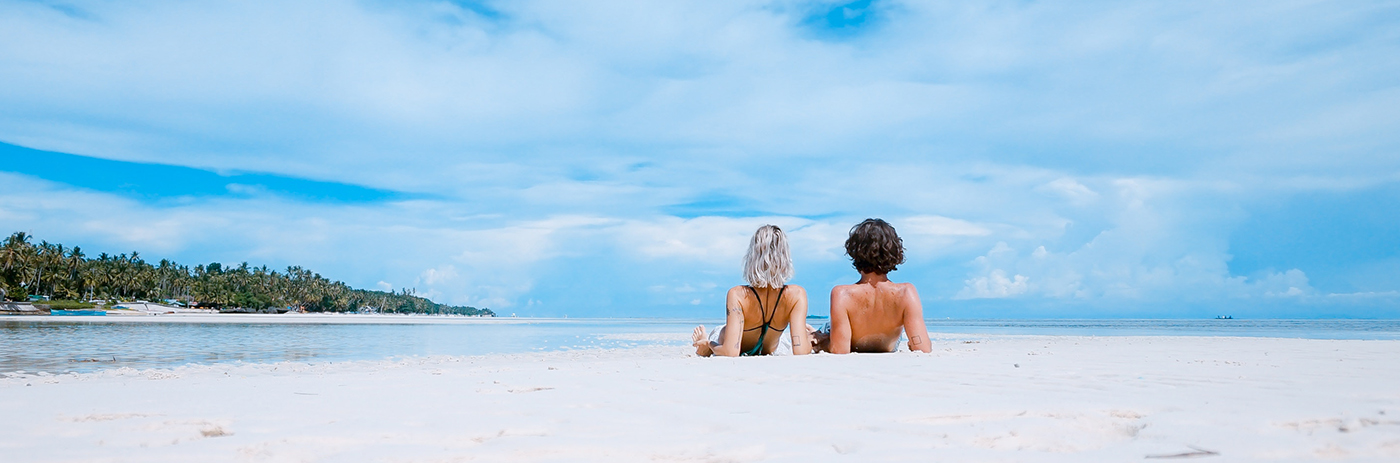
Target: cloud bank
611 158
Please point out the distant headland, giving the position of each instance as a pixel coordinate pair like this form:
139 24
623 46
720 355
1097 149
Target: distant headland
60 277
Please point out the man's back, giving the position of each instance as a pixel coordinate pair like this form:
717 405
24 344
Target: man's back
868 316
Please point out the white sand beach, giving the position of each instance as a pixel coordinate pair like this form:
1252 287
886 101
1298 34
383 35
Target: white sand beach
1005 398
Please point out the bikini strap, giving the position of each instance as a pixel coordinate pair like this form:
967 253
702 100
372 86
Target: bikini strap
767 318
756 298
767 323
776 302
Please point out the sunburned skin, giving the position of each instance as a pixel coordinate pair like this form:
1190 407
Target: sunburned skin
868 317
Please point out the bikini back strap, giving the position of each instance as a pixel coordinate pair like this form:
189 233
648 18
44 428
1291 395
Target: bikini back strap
762 311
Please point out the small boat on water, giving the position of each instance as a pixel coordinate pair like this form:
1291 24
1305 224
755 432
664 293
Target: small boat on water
78 312
1224 317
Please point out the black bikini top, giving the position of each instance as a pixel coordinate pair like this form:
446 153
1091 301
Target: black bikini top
767 320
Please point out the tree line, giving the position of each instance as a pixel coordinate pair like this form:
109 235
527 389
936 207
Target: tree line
66 273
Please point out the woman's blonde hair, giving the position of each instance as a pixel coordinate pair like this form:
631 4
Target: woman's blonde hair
768 263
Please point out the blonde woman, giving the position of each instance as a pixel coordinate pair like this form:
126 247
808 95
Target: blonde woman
757 313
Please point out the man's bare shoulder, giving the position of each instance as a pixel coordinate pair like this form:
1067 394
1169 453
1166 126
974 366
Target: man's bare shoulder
900 287
905 286
842 290
905 290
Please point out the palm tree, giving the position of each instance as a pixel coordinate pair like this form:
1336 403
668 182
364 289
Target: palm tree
14 250
14 260
43 255
56 270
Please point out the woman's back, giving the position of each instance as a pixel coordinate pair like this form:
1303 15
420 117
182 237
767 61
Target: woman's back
766 313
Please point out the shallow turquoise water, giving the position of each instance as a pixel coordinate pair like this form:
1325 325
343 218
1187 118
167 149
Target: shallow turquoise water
91 343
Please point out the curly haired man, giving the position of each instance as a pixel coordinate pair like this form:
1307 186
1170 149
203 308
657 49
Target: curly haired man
869 315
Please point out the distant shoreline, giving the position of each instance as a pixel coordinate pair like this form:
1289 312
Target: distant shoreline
44 271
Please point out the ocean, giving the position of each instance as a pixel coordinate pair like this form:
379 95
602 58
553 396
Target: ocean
84 344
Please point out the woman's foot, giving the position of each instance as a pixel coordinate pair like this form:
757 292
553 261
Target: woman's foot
701 342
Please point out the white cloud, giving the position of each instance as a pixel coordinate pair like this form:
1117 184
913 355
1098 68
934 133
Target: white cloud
434 276
1365 295
991 281
325 89
941 226
1292 283
712 239
559 139
1071 190
994 285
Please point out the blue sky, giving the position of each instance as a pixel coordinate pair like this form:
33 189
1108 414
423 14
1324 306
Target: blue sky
1092 159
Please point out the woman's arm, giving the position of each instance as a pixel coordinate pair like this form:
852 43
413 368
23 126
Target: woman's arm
840 322
914 322
733 324
797 324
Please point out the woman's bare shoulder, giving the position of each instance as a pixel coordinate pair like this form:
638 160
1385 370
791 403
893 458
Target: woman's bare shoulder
796 289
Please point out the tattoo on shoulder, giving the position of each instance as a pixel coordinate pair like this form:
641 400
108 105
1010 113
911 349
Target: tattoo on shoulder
735 310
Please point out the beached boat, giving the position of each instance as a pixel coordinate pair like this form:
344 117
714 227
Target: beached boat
78 312
19 308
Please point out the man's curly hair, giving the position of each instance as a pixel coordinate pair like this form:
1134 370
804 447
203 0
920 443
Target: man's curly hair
874 247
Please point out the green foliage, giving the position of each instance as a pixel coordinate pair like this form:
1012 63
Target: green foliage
68 305
14 292
66 273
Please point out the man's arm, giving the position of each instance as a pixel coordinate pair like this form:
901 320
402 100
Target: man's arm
840 322
797 324
914 322
733 326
